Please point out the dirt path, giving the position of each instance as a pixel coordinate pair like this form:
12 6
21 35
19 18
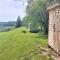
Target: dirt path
47 51
55 56
50 54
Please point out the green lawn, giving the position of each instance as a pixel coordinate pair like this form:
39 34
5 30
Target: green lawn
15 45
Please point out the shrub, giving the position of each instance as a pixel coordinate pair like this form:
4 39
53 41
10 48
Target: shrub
24 31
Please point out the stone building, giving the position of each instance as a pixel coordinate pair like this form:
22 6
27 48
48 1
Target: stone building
54 25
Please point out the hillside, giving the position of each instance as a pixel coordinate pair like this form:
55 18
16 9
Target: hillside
16 45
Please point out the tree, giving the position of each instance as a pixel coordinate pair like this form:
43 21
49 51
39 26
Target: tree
26 21
19 22
38 14
37 9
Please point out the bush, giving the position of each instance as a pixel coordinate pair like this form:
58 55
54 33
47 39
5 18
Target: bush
24 31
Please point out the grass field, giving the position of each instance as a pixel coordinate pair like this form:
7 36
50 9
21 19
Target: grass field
16 45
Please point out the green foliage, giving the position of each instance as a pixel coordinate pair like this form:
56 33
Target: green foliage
29 19
37 11
18 23
26 21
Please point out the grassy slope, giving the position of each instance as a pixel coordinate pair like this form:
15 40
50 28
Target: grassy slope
14 44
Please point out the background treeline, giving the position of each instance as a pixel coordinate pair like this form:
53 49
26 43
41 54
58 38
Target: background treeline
7 26
9 23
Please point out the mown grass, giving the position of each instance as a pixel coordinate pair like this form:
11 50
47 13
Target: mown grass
16 44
